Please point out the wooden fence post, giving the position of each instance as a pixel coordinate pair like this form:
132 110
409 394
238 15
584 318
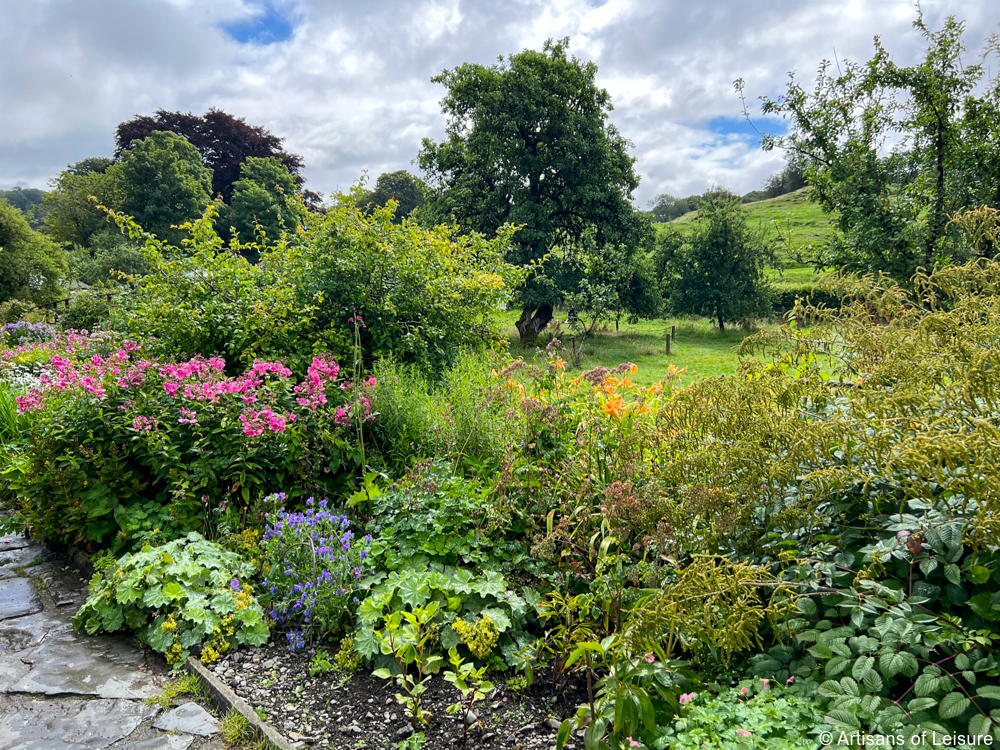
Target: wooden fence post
673 332
667 337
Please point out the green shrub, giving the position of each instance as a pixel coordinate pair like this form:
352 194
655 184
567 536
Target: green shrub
186 593
348 279
88 310
461 595
122 448
436 514
769 718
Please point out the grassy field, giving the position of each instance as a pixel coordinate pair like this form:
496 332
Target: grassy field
699 347
792 217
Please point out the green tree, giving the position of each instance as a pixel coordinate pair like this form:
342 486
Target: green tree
892 204
31 265
529 144
408 191
718 271
260 198
71 217
28 201
162 183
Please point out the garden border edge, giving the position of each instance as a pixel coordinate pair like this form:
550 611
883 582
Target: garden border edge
226 700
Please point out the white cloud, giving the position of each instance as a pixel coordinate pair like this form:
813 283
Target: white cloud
350 90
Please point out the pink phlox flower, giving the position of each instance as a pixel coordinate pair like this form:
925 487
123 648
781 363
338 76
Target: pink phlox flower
686 698
765 683
632 743
650 658
743 733
188 416
744 690
790 680
143 423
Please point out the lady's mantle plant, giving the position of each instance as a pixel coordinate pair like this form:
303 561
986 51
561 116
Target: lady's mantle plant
185 593
315 563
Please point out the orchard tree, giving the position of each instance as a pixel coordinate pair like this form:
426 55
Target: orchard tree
408 191
162 182
528 143
224 142
31 265
718 270
895 150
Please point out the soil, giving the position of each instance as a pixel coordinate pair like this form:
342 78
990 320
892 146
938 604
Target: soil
356 710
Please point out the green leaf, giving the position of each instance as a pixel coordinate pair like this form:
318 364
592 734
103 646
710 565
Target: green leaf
952 705
989 691
953 573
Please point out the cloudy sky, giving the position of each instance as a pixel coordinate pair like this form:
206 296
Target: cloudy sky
347 82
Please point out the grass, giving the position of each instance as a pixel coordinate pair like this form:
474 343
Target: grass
185 684
238 734
698 346
792 217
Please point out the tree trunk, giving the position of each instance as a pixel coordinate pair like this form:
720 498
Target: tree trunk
532 322
722 325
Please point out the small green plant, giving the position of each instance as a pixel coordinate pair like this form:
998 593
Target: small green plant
406 637
185 684
320 663
481 636
175 596
414 742
471 683
347 658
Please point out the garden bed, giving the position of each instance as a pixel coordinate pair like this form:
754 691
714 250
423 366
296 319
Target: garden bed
357 710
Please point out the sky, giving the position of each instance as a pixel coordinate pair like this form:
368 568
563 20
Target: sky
347 83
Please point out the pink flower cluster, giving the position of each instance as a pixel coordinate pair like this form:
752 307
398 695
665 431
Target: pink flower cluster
312 389
255 422
202 380
143 423
64 376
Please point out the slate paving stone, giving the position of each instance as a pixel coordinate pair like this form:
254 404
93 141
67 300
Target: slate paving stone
94 724
18 597
163 742
14 541
14 560
77 664
189 718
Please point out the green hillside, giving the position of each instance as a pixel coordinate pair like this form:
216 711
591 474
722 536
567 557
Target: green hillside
801 221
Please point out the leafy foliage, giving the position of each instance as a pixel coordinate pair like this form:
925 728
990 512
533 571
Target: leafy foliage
176 596
161 182
31 266
892 208
719 270
529 144
224 142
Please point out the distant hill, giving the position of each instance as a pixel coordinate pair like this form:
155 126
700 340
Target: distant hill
802 222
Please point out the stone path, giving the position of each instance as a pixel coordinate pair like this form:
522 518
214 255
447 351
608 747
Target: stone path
62 690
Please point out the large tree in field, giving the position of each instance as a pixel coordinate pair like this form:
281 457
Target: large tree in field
529 143
161 182
718 270
895 151
224 142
